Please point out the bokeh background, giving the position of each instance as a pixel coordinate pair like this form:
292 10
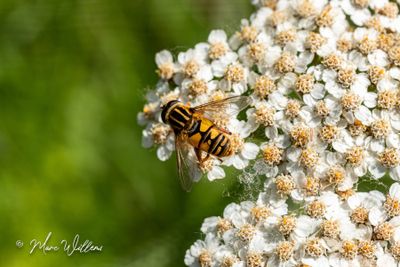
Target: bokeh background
73 74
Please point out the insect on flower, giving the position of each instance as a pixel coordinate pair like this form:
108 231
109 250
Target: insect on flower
194 128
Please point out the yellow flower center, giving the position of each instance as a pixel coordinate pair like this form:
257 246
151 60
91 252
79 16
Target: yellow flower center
321 109
284 250
366 248
325 19
316 209
314 41
306 9
349 250
309 157
285 63
384 231
359 215
394 55
166 71
217 50
376 74
264 86
191 68
160 133
387 99
272 154
260 213
367 45
205 259
332 61
248 34
287 224
346 77
246 232
330 228
380 129
265 115
254 259
301 135
355 155
256 51
285 37
234 73
392 206
304 83
336 175
197 87
395 251
223 225
292 109
284 184
361 3
312 186
314 248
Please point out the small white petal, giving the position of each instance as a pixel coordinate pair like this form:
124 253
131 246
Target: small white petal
239 88
354 201
360 170
239 163
318 91
395 173
377 170
378 58
271 132
217 36
370 100
216 173
250 151
376 216
163 57
306 226
339 146
364 115
377 145
147 140
393 140
394 190
163 153
395 73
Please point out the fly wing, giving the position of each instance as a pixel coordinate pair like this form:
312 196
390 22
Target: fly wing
187 166
230 106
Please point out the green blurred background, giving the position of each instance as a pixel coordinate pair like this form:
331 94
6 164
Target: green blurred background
73 74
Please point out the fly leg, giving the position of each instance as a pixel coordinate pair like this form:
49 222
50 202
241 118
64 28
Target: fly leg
206 158
198 154
201 159
225 130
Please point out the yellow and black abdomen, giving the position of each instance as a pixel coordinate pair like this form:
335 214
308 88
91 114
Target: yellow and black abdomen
206 136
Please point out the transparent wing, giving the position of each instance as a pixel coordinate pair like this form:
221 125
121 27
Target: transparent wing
187 165
229 107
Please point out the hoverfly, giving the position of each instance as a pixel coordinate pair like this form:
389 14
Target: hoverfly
194 128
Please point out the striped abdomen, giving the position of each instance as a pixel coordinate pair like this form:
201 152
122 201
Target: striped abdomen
206 136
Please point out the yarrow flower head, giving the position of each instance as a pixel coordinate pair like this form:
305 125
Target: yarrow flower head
327 231
323 123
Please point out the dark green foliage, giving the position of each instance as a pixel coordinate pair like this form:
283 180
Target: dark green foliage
73 75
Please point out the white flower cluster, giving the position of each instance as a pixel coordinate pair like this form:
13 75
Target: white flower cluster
323 77
324 82
335 230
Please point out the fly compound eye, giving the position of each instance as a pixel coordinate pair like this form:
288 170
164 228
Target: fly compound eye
164 114
166 110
